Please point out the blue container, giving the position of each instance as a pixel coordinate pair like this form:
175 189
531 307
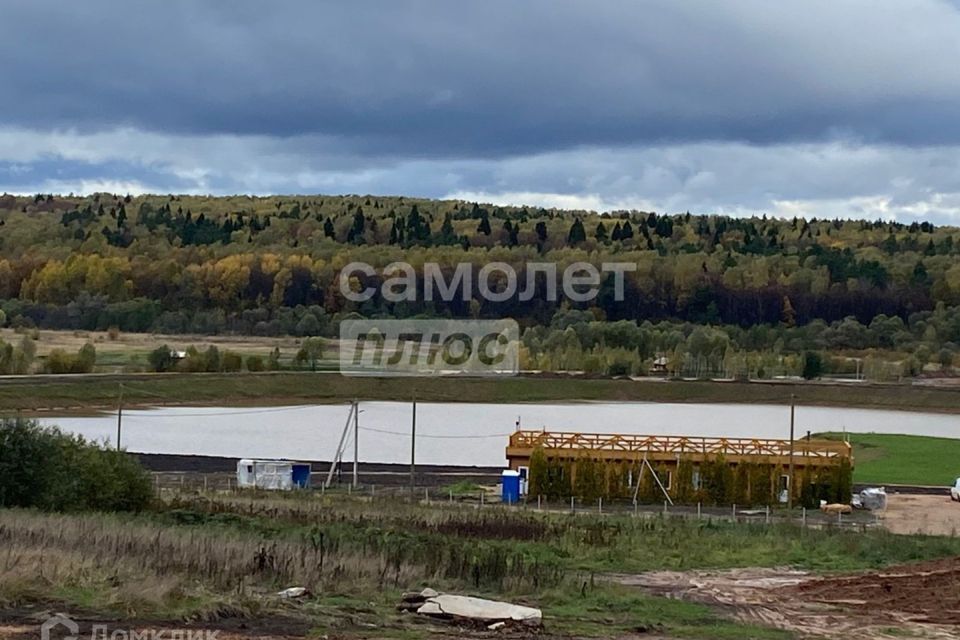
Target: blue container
301 476
510 483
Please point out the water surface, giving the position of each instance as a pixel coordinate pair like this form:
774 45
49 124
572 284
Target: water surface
465 433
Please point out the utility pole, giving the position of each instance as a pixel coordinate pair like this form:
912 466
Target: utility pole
356 446
793 408
339 454
119 415
413 446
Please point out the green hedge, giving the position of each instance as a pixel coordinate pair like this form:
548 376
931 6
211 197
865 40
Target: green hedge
720 483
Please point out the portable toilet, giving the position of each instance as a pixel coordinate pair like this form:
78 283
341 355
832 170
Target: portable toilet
510 486
301 475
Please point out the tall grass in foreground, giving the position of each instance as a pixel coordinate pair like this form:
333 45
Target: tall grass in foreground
220 554
582 542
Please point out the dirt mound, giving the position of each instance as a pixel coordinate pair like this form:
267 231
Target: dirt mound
917 601
926 592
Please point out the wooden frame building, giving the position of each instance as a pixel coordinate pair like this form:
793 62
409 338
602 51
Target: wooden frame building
802 458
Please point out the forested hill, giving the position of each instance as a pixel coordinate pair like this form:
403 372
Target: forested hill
257 265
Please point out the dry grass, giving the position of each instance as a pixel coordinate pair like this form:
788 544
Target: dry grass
71 341
145 568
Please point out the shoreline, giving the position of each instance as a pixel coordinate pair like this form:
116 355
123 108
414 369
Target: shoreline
100 393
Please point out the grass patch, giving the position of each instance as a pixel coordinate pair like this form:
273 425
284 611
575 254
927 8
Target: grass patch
898 459
463 488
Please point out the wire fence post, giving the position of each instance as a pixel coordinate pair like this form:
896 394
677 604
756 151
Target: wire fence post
573 508
734 512
664 507
538 503
698 511
599 505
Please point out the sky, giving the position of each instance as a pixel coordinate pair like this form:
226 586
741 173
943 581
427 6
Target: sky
826 108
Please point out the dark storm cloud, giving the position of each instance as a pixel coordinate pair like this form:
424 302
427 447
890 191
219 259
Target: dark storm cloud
487 79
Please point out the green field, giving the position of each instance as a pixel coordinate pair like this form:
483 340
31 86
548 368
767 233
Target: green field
38 393
898 459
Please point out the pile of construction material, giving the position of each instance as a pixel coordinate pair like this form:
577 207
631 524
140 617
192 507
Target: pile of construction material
492 614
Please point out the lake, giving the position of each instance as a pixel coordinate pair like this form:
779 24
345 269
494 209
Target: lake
465 433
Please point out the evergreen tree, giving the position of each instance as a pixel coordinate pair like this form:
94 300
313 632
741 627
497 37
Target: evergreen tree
601 233
541 230
484 226
357 229
447 234
617 233
577 233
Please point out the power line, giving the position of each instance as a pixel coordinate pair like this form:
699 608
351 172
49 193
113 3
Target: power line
242 412
439 437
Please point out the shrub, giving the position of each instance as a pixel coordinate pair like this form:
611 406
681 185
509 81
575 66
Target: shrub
255 363
231 361
44 468
161 359
812 365
59 361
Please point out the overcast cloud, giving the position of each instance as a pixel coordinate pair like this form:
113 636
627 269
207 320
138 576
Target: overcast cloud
817 108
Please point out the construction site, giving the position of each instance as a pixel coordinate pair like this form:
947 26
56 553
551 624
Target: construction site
682 469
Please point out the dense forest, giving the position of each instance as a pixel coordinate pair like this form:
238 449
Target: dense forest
711 294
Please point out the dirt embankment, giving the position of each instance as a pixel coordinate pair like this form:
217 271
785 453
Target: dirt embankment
926 592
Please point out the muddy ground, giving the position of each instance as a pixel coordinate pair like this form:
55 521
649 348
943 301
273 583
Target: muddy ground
918 601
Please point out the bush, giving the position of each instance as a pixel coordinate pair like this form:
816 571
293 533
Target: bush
41 467
812 365
231 361
255 363
59 361
161 359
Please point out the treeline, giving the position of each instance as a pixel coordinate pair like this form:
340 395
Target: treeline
41 467
213 360
713 482
887 348
253 265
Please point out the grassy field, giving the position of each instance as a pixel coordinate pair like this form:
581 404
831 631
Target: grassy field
898 459
223 556
63 392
